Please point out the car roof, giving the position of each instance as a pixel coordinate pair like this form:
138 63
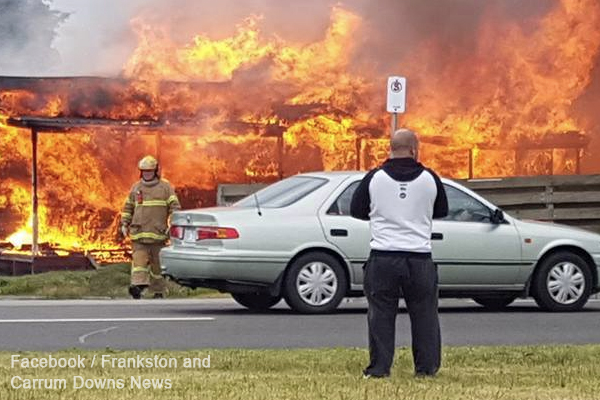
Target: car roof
343 175
347 174
330 174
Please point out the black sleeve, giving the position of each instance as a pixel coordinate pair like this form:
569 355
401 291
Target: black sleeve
360 207
440 206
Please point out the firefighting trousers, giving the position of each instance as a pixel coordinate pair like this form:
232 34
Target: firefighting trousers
145 266
387 276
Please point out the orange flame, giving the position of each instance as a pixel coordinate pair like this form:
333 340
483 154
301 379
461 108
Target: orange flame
517 84
247 107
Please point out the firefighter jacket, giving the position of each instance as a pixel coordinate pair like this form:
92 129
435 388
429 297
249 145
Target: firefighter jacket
147 210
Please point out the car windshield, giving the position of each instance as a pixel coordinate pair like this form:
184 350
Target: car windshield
283 193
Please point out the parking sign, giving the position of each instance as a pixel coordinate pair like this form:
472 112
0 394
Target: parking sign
396 94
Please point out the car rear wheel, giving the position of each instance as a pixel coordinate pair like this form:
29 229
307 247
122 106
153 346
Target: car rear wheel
315 283
495 303
563 282
256 301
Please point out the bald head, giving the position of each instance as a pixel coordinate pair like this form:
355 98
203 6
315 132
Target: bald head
404 143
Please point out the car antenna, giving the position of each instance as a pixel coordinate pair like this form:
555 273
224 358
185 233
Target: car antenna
257 204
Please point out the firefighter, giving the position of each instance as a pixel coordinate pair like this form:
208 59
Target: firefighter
145 219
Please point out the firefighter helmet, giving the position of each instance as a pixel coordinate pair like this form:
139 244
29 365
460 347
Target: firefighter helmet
148 163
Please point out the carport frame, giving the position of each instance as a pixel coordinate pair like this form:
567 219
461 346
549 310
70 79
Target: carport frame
38 125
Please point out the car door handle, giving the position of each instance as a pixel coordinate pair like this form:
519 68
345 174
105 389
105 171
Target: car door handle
339 232
437 236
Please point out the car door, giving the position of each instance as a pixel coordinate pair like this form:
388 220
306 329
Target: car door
350 235
470 250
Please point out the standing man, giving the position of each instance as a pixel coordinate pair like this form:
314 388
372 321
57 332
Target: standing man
145 218
400 199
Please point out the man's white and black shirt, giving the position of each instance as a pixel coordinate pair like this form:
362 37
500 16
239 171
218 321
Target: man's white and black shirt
400 199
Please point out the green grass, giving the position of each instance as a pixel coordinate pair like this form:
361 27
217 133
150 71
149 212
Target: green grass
481 373
110 281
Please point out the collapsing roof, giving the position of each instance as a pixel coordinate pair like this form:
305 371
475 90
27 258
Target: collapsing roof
69 124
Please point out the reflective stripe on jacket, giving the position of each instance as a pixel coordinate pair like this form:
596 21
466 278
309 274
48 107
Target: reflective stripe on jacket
147 210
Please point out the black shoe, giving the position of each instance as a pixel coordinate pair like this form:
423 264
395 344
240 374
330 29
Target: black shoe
135 292
370 375
159 296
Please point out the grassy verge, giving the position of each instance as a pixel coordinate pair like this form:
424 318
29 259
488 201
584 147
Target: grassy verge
564 372
110 281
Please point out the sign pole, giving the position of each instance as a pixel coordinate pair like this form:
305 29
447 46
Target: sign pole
394 123
34 196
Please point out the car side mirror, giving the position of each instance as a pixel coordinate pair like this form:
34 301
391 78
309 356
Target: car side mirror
497 216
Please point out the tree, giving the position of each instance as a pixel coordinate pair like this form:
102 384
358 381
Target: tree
27 29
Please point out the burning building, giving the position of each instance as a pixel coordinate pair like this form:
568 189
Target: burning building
502 94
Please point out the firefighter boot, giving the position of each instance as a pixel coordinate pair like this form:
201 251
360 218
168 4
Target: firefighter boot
136 291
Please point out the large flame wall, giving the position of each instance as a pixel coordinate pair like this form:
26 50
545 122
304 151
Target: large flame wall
506 106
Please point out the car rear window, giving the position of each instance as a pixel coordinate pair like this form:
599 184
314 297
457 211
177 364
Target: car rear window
283 193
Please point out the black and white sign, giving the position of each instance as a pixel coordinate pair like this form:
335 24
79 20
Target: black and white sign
396 94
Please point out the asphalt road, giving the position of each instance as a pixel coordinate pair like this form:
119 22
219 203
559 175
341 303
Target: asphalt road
220 323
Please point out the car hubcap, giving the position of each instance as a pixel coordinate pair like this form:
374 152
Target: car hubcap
316 283
566 283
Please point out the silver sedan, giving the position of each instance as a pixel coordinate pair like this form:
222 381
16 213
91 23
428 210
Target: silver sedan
295 239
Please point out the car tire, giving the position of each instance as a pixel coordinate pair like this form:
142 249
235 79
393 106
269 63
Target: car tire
315 283
495 303
256 301
562 282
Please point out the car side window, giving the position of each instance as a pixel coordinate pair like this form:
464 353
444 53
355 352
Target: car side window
342 204
464 208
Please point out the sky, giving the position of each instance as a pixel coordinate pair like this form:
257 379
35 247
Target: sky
97 39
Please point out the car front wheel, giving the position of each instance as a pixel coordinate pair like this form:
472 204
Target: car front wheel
563 282
315 283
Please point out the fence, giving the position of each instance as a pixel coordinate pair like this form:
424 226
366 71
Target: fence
228 194
567 199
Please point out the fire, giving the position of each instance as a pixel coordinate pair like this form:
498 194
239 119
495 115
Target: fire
76 222
66 239
204 59
252 107
517 84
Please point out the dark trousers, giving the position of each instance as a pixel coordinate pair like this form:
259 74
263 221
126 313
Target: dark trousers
385 274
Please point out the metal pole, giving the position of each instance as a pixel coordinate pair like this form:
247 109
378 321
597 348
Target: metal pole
158 139
34 197
358 144
518 159
280 154
394 123
471 163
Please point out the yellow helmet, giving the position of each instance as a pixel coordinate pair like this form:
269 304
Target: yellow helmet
148 163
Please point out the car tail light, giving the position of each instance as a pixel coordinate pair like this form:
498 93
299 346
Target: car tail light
176 232
215 232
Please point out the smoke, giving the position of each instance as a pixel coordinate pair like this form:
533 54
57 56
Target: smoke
27 29
299 21
396 30
97 38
